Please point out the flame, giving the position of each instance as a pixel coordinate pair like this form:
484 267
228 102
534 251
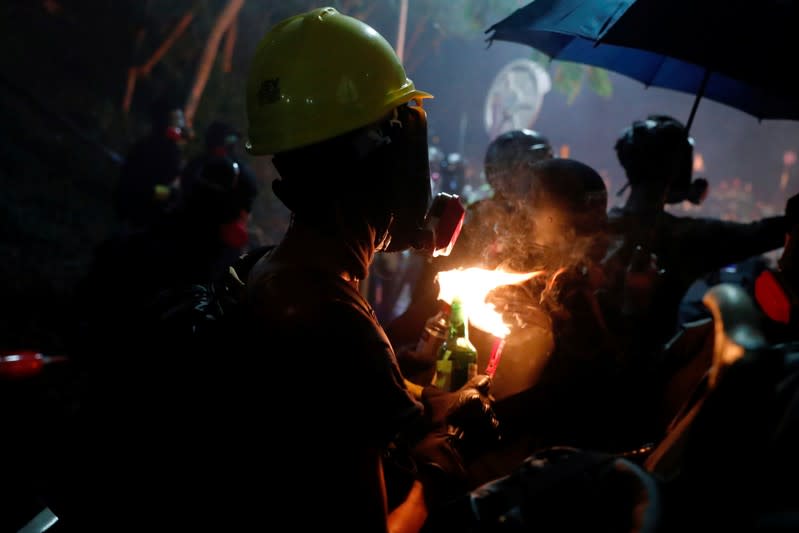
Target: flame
472 285
551 284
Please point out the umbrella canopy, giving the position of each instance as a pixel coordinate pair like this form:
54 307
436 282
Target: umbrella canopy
736 52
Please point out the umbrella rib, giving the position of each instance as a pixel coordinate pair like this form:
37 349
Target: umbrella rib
656 71
609 22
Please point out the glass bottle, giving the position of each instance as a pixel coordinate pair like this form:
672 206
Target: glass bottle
457 357
435 332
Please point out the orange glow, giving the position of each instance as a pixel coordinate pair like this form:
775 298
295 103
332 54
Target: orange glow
699 163
472 286
551 283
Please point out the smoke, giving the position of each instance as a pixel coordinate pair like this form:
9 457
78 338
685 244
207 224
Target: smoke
516 236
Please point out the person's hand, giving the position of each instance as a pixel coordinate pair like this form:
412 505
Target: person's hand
565 489
519 305
417 368
466 413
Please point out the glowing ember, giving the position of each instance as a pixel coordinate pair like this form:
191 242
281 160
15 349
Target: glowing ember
472 285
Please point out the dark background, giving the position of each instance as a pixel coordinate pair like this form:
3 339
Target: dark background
63 72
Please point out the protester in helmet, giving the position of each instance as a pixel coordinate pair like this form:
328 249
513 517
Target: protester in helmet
221 140
148 379
491 225
657 156
554 384
348 137
194 243
149 175
512 148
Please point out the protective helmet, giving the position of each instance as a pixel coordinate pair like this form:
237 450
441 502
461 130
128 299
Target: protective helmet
220 134
568 208
318 75
220 192
512 149
649 148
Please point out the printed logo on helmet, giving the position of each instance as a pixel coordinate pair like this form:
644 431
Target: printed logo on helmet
269 92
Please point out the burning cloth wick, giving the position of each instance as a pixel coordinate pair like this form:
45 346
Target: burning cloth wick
496 355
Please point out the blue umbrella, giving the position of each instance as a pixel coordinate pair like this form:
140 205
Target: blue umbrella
736 52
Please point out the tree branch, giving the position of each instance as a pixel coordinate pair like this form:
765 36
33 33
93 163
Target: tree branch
144 70
223 22
230 43
417 31
181 26
130 86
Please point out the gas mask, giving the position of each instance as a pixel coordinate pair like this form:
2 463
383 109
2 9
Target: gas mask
381 172
431 227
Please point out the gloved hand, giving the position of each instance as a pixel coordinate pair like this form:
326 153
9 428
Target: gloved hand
439 466
467 414
565 489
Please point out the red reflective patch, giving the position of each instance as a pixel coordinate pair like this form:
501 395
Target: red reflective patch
21 364
772 297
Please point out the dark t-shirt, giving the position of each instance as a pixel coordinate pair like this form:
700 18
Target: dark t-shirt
330 394
333 349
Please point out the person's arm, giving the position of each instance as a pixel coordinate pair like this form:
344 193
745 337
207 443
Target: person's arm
368 510
410 515
713 244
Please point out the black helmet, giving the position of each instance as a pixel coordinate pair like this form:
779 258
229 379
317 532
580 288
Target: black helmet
511 149
571 185
221 134
568 202
650 148
220 192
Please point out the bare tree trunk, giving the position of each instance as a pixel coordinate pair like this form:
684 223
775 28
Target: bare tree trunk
230 43
403 22
144 70
417 32
181 26
223 22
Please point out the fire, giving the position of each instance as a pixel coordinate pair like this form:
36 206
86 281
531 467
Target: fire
472 286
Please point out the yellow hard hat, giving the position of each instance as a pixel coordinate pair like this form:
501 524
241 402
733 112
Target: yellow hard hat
318 75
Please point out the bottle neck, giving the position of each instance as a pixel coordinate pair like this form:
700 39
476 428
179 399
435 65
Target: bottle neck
459 324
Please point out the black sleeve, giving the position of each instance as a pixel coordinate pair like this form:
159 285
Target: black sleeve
704 245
